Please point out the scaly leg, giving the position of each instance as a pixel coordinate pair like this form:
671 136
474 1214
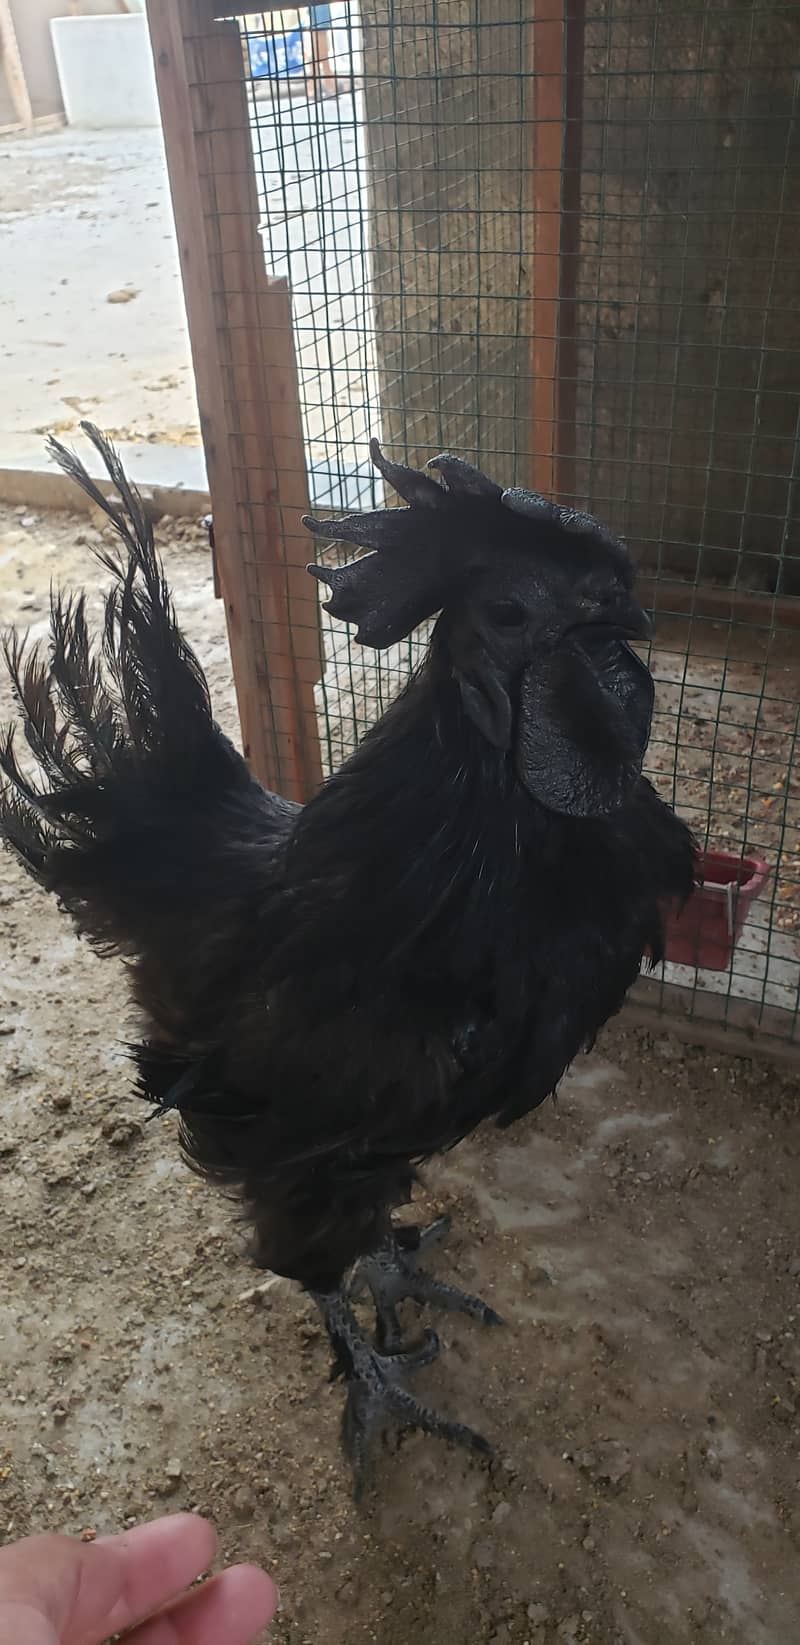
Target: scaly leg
392 1274
376 1396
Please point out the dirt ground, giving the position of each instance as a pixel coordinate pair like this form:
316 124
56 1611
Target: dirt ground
641 1239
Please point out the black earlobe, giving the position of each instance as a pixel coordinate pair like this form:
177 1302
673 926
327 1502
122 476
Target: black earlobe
488 705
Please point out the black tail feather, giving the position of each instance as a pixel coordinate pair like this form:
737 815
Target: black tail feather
117 727
32 683
127 514
156 674
78 679
22 825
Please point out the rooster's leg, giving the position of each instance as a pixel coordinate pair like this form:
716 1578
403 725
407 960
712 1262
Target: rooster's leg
376 1395
392 1274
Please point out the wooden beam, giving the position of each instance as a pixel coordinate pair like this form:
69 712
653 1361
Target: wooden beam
254 321
557 92
566 365
723 1037
742 1027
669 596
242 348
40 122
14 71
547 91
172 29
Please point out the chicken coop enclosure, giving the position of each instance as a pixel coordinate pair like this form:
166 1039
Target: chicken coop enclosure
560 238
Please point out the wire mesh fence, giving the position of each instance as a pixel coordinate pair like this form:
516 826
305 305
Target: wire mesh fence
310 151
685 332
398 209
566 248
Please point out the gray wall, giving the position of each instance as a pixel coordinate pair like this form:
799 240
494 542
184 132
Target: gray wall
688 313
448 145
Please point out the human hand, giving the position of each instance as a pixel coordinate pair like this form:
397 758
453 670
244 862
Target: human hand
56 1591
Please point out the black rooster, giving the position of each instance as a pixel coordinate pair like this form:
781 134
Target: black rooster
334 994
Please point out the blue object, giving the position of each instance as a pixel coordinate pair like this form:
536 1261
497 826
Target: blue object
276 56
320 17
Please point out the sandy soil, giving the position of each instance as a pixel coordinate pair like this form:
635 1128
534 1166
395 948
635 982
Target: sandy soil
641 1239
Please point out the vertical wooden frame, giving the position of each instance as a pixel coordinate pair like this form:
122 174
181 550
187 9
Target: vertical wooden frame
557 66
240 328
569 251
11 65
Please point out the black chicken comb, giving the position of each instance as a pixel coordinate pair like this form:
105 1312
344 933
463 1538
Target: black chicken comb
419 552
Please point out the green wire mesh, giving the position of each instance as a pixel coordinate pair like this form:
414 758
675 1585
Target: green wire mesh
402 209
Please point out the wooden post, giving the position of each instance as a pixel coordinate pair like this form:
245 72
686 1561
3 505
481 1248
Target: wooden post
242 347
557 109
12 63
569 252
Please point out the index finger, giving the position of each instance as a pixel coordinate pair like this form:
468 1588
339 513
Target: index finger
133 1574
88 1591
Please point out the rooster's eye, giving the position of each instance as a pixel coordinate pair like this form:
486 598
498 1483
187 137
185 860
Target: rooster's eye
506 614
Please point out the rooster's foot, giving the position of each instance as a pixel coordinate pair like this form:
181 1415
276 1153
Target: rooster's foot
392 1274
376 1396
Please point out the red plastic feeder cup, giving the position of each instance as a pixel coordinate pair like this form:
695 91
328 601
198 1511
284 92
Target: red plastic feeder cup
706 931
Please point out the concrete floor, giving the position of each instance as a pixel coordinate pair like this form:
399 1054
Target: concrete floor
84 216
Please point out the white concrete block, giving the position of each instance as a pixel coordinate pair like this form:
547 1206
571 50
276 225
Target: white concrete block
105 67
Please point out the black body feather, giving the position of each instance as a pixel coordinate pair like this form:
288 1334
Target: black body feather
332 995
